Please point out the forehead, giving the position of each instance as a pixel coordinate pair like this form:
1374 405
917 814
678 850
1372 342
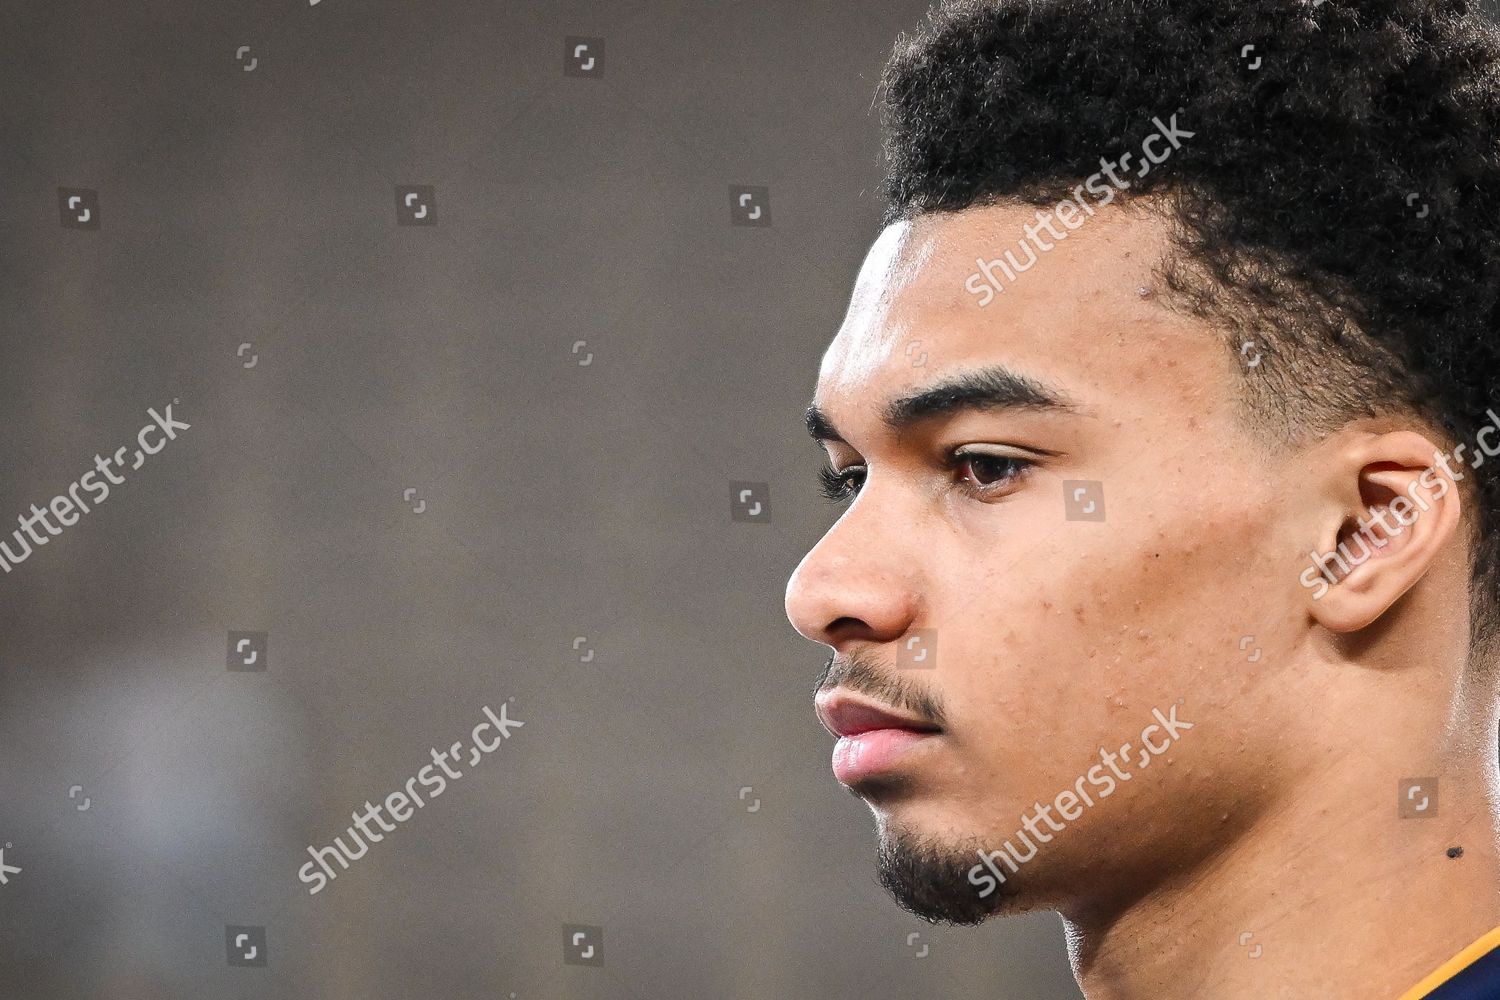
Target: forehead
1076 317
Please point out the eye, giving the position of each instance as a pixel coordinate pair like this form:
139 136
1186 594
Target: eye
989 471
835 485
981 474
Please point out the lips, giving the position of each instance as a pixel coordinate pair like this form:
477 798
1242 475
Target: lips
872 738
842 714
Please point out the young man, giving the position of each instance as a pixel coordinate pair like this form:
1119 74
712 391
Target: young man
1165 595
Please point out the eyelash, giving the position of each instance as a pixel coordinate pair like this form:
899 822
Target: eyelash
835 488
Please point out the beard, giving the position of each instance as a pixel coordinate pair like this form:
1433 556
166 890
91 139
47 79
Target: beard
931 880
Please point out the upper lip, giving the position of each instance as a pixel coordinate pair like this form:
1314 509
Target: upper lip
846 714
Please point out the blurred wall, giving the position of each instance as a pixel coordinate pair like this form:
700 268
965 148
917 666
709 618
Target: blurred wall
419 496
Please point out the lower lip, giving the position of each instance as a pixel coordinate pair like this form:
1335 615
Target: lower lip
867 754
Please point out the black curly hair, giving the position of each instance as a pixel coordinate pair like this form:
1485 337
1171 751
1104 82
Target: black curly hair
1339 202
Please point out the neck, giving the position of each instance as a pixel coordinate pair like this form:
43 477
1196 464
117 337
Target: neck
1328 892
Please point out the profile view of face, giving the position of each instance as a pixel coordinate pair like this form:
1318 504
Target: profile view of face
1057 499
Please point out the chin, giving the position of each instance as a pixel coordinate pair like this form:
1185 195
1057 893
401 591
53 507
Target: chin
929 876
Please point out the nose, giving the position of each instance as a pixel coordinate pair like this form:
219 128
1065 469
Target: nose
853 584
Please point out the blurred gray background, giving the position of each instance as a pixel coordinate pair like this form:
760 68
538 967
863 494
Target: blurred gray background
431 498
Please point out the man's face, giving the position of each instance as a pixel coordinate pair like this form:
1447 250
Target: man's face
1055 618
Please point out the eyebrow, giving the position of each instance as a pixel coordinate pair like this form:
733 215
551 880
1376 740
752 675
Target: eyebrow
992 388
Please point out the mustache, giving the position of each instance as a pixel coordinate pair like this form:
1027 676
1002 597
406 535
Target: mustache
861 672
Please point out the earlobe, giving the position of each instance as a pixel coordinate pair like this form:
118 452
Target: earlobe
1401 510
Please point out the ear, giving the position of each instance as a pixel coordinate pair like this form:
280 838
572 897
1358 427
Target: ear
1395 507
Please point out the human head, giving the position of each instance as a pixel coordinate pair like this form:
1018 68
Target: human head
1234 345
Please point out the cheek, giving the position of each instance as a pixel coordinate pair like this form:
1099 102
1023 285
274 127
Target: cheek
1087 628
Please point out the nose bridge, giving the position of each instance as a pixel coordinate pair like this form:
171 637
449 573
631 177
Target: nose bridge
863 569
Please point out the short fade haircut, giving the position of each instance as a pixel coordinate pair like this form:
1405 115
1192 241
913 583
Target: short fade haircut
1339 203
